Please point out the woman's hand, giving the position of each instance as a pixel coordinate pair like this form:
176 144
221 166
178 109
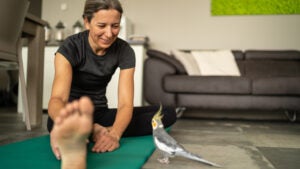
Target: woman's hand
54 145
104 139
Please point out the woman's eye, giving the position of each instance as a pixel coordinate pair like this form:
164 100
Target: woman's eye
116 26
101 26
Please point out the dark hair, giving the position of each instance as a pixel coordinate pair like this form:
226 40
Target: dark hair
93 6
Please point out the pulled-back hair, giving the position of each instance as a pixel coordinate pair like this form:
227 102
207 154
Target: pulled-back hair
93 6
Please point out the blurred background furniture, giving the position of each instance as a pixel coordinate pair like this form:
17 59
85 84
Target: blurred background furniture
33 30
270 80
16 23
12 16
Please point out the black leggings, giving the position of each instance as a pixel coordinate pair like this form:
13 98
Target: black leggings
140 123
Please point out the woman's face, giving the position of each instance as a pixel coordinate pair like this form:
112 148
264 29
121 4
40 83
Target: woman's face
104 29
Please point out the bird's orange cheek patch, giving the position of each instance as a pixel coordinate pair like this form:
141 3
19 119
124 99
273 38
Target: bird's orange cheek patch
154 124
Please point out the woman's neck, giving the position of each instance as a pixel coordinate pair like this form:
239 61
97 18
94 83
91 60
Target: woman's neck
98 51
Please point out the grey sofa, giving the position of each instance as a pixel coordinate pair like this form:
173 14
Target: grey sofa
270 80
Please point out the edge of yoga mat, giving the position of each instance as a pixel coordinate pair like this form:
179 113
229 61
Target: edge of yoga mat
36 153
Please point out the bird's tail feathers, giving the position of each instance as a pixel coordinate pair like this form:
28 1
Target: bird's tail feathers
197 158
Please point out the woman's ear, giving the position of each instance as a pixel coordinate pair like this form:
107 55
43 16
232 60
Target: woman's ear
86 23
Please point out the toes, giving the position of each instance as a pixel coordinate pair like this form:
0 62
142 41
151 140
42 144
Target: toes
58 120
72 107
69 109
86 106
63 113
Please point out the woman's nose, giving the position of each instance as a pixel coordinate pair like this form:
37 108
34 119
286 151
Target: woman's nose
108 32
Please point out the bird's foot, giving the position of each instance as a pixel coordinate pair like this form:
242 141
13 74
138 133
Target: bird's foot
164 160
179 111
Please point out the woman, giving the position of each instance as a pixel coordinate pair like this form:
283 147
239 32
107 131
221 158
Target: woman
84 65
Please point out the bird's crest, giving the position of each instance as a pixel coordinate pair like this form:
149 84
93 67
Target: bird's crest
158 115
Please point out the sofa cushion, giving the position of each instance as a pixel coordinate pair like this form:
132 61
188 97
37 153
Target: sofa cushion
167 58
243 102
216 63
187 61
271 68
276 86
207 84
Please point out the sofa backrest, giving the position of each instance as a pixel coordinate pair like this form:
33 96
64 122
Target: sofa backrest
238 54
272 55
281 63
251 63
239 57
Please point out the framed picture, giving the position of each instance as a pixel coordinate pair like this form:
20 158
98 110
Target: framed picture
254 7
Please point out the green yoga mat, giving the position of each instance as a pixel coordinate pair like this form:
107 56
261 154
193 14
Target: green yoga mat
36 154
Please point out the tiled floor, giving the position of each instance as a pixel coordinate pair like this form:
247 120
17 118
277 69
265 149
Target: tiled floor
234 144
12 127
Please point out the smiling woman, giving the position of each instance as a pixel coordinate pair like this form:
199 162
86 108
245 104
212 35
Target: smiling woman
254 7
84 65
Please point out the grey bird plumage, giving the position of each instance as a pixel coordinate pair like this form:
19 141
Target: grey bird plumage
168 146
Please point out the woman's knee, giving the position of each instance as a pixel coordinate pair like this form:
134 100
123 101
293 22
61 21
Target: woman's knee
169 116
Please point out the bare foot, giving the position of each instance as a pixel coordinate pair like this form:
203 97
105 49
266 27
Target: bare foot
71 130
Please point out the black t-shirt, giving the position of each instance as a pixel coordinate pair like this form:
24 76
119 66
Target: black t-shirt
91 73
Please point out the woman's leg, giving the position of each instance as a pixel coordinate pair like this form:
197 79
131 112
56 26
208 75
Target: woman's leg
140 123
141 120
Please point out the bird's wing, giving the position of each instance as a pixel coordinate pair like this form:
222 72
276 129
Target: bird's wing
165 142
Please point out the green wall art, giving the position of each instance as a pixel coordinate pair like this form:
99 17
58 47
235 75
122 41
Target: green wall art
254 7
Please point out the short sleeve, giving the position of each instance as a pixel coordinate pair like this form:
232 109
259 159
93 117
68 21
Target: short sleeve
127 59
64 49
72 49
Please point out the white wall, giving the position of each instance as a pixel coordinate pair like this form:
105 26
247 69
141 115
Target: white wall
187 24
53 12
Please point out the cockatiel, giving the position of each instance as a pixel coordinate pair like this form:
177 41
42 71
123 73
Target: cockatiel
169 146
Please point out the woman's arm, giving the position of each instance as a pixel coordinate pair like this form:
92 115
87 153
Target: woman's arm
109 139
125 102
60 94
61 85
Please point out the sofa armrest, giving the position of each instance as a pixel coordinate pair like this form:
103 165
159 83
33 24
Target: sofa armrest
171 60
154 72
